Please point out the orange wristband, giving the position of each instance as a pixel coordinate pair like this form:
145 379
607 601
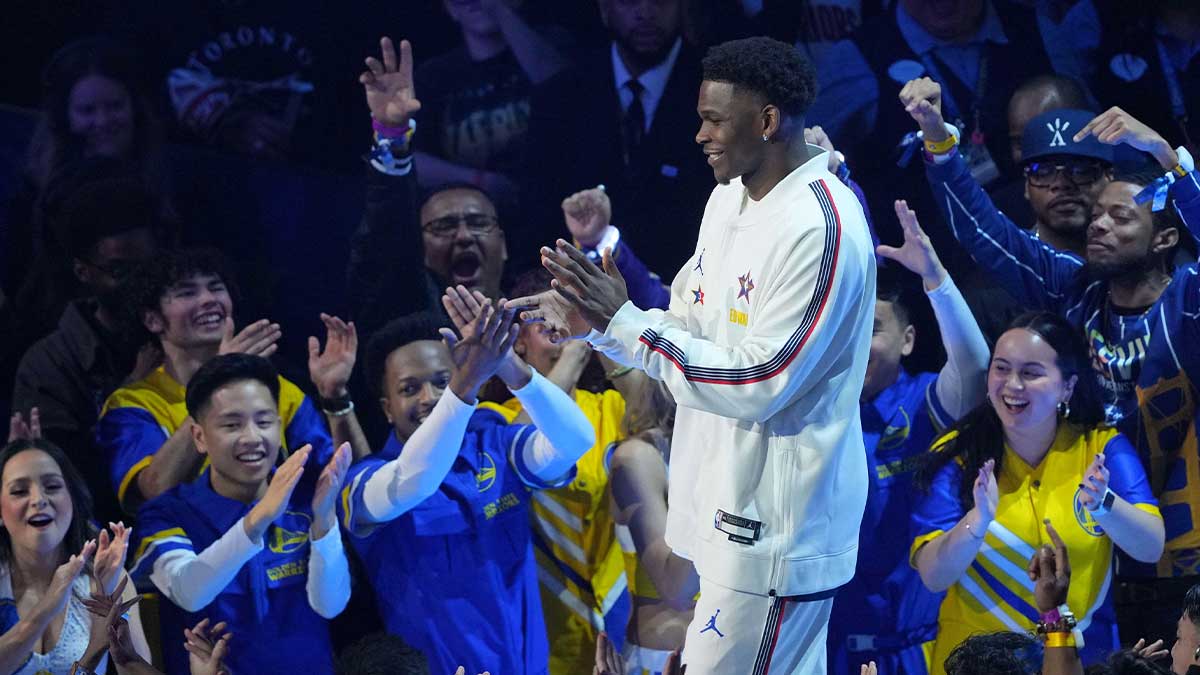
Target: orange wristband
941 147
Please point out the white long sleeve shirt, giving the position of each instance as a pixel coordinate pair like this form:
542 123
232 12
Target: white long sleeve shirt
193 580
764 348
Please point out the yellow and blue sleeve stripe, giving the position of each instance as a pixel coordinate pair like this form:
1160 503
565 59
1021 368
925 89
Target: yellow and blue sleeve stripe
128 438
151 547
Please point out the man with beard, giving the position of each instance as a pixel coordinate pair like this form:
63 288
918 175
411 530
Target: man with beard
105 227
410 246
1139 314
1063 177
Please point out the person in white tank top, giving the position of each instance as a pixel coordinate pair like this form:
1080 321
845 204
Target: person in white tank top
50 562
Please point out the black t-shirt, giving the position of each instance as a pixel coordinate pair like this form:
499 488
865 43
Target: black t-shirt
299 65
475 113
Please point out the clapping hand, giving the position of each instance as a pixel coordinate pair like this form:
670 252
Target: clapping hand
917 253
324 503
986 493
868 669
109 624
1095 484
330 370
596 294
257 339
207 650
391 95
109 565
486 342
279 493
20 430
1050 572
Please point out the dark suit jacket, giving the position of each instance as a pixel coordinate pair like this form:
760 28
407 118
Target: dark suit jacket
575 143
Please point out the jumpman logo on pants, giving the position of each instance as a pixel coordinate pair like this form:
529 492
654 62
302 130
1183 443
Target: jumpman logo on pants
712 625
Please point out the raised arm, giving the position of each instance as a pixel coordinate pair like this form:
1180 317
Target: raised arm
537 57
402 483
1035 273
385 250
588 215
1115 126
962 382
330 372
563 431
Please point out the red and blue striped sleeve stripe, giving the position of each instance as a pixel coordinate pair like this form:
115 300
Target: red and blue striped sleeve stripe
795 343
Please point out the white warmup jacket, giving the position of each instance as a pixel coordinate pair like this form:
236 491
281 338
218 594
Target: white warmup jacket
765 349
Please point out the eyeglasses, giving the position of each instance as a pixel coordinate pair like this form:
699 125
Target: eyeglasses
478 225
1042 174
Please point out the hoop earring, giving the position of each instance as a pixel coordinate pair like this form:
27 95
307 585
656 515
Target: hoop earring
1064 409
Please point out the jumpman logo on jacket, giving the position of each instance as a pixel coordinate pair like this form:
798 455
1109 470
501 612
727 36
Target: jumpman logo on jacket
700 262
712 625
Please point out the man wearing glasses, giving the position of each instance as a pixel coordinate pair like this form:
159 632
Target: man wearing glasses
1063 177
107 226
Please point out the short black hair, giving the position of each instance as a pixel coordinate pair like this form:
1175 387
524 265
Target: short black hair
1191 605
1166 217
223 369
381 654
775 70
150 281
891 287
433 191
996 654
394 335
530 282
94 198
1068 90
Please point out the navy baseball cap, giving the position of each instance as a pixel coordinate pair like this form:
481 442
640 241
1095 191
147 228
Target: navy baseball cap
1053 133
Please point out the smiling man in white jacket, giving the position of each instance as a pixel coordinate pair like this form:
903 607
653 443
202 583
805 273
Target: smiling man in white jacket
764 347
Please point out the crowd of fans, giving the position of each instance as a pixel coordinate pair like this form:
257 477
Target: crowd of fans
460 488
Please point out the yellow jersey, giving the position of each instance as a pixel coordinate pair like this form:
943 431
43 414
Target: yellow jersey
581 571
995 593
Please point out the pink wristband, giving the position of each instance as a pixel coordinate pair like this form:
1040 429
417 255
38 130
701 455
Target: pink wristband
388 131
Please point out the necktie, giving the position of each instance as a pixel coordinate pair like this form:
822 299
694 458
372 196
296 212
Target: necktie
633 126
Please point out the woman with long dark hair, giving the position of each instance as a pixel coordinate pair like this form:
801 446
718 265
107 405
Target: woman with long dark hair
1036 453
50 562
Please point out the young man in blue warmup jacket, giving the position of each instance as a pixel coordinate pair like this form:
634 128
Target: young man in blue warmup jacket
441 515
239 545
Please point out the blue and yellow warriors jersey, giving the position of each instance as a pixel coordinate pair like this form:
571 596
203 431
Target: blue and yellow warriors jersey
455 576
885 613
995 594
138 419
266 605
580 569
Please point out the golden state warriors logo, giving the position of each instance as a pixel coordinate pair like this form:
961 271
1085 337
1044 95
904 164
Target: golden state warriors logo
1085 519
285 540
895 434
487 474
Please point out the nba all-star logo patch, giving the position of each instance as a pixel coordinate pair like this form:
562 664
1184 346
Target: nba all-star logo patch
747 285
698 295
